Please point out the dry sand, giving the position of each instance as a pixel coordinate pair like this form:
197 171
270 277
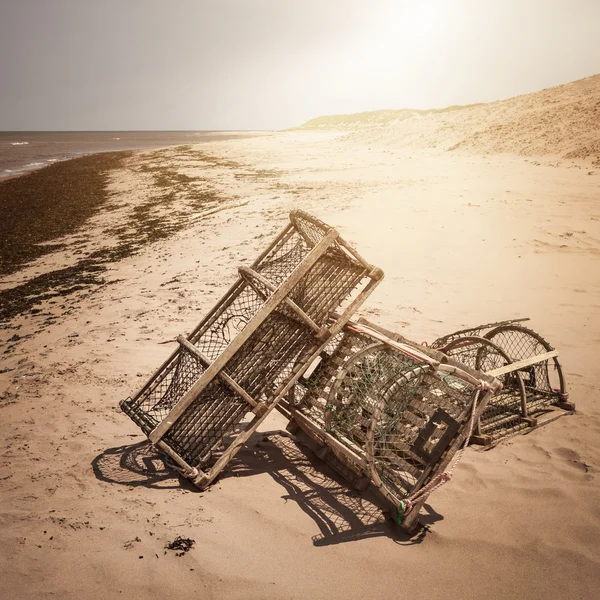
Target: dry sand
563 121
87 506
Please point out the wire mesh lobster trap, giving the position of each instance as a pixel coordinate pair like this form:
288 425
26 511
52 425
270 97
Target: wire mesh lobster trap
251 348
387 412
526 364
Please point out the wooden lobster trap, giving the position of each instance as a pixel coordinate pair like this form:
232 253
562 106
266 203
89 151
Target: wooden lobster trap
252 347
526 364
387 412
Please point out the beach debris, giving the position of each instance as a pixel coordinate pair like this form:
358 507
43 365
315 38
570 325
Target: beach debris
245 355
526 364
128 545
385 412
181 545
396 415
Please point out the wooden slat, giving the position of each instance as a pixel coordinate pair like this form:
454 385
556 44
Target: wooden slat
353 306
234 385
398 461
405 448
521 364
374 272
287 300
403 348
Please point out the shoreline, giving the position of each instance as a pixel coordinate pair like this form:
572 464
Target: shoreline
56 161
62 147
55 200
52 201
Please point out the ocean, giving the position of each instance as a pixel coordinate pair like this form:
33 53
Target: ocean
22 151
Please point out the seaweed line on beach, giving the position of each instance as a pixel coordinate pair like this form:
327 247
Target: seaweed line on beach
172 201
50 203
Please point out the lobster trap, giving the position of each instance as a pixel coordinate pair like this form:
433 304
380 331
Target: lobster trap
526 364
384 411
251 348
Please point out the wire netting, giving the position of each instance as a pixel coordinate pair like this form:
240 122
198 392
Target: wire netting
527 392
156 399
311 393
542 380
504 410
224 325
399 410
276 350
386 407
472 331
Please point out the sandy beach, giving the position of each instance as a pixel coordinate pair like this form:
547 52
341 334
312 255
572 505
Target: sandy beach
468 229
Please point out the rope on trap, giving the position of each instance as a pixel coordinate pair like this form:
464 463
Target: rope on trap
440 479
188 473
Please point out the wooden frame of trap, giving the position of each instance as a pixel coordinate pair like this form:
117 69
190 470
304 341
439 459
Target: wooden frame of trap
385 412
534 384
251 348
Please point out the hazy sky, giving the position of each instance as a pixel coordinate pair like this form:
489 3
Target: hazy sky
267 64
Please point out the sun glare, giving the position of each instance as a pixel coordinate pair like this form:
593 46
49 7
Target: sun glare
421 20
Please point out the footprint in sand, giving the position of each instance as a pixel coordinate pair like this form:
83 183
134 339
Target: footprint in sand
573 459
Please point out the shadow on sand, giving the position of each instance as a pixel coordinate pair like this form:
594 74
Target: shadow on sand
341 513
137 465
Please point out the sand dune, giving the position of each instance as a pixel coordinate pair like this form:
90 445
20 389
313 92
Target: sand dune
563 121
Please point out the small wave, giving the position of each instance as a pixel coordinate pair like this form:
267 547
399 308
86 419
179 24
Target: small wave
51 159
116 138
8 171
35 164
19 143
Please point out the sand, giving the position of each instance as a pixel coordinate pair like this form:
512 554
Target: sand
87 507
563 121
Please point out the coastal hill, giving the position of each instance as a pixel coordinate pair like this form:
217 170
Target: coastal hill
561 121
374 118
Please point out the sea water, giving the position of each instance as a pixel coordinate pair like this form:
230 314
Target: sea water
24 151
